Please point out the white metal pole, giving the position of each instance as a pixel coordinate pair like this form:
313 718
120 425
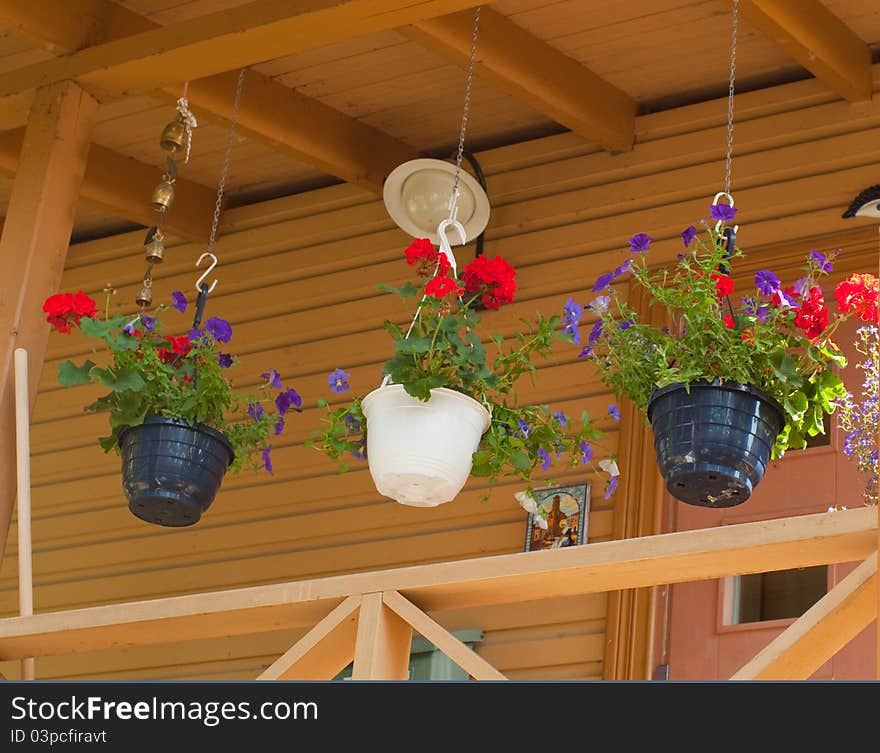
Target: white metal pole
23 457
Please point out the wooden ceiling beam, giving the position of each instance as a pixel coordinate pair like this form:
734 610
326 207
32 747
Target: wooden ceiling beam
224 41
820 41
271 113
535 73
123 185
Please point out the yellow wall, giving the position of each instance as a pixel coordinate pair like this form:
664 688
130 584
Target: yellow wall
297 281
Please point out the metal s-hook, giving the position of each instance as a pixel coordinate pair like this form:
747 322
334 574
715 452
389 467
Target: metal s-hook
206 272
445 247
721 195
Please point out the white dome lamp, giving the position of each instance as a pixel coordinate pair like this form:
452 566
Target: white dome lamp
424 194
417 193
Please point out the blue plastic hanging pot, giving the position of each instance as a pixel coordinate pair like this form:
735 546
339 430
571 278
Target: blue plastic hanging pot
171 470
713 441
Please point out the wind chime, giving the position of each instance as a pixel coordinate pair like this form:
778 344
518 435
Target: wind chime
175 139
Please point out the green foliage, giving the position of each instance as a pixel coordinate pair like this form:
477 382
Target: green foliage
150 374
688 337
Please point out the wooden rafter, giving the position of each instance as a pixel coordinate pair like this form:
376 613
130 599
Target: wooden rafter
383 643
33 247
535 73
841 536
123 185
271 113
227 40
820 41
821 631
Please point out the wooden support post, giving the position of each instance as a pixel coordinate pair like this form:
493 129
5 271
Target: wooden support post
23 484
383 642
34 244
466 658
821 631
324 651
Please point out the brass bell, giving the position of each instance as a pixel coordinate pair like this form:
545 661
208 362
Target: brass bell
154 246
163 195
145 296
173 138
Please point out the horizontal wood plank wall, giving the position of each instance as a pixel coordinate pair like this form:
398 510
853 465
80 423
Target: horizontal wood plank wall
298 282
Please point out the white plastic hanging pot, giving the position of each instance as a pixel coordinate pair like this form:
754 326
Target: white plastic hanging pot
420 452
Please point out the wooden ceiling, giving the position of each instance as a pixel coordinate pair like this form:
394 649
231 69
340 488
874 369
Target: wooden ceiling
368 85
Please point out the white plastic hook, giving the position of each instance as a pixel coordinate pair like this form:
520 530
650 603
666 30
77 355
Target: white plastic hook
206 272
445 246
722 195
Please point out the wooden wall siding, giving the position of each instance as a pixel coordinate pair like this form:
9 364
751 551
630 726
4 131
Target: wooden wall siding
863 18
298 282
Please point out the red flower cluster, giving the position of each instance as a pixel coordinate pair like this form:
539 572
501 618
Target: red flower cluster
180 346
723 284
812 315
440 287
421 253
493 278
859 294
66 309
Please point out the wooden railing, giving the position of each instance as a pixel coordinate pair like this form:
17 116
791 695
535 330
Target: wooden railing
369 618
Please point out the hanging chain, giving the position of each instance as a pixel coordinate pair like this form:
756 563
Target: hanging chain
469 77
224 171
730 92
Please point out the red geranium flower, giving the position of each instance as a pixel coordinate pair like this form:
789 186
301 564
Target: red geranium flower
180 346
493 278
812 316
728 322
421 253
440 287
66 309
723 284
858 294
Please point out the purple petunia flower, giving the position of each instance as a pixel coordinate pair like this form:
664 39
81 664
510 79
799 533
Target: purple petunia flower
288 399
338 380
753 308
784 299
586 451
195 335
225 360
599 304
626 325
255 411
603 281
595 333
723 212
586 352
572 313
821 260
614 412
524 428
129 329
351 423
279 425
219 329
546 460
623 268
267 458
611 486
560 417
640 243
148 321
274 379
766 282
361 452
688 235
178 301
802 285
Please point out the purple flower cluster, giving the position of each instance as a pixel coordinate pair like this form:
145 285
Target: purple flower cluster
571 316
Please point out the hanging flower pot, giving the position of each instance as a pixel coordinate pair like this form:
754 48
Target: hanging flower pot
420 453
171 470
713 440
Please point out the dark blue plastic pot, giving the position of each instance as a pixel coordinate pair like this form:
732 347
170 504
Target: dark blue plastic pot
171 470
713 443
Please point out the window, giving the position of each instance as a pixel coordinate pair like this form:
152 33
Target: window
778 595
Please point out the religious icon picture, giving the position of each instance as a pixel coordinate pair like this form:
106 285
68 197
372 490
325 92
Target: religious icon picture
557 516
